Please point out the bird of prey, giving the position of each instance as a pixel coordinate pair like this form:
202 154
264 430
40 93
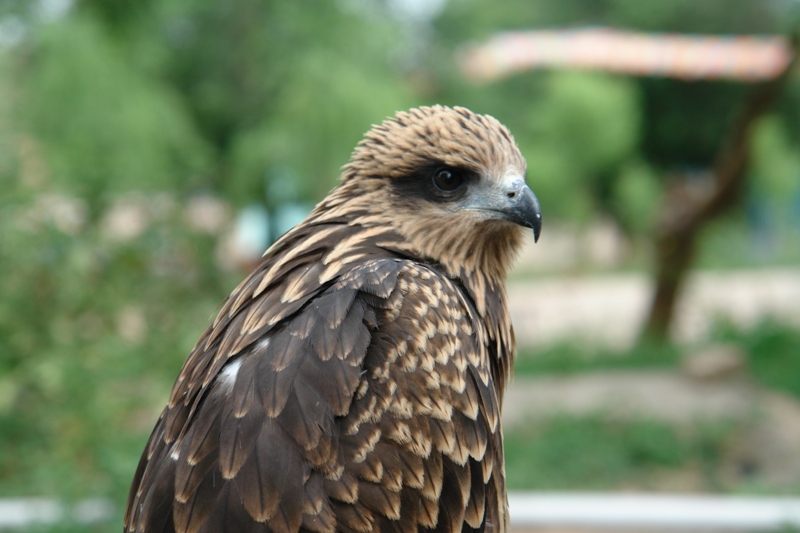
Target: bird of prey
354 381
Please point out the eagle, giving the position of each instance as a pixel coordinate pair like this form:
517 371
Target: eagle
354 381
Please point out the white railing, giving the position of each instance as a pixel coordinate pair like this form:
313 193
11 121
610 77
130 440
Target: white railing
656 511
529 510
16 513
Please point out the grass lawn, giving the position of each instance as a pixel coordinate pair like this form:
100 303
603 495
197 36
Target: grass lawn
598 453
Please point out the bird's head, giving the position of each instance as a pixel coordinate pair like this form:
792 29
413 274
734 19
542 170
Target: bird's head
451 183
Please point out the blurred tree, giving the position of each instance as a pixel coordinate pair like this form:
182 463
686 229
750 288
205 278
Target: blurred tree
685 215
187 94
103 125
574 163
653 129
274 84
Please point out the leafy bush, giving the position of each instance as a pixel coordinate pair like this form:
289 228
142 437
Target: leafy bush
94 326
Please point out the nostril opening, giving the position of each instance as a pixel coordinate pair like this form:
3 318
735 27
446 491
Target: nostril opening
512 194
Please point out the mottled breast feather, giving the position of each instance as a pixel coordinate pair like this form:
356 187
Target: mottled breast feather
345 386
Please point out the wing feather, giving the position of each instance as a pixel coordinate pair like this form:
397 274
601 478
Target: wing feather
201 488
262 476
314 498
236 437
476 507
352 405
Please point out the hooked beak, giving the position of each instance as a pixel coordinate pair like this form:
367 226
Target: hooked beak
523 209
513 201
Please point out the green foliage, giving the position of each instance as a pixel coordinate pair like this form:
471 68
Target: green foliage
592 453
576 106
103 126
300 93
571 358
93 330
312 145
634 197
776 160
564 148
773 354
711 16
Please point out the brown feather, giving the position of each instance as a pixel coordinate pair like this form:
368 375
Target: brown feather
379 499
237 435
428 512
343 489
474 513
261 479
200 490
353 517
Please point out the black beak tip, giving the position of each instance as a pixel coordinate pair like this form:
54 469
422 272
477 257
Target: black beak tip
533 213
521 207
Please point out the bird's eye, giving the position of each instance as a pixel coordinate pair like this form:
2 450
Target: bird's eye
447 180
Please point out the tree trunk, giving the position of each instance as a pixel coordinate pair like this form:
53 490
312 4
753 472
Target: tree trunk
676 236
